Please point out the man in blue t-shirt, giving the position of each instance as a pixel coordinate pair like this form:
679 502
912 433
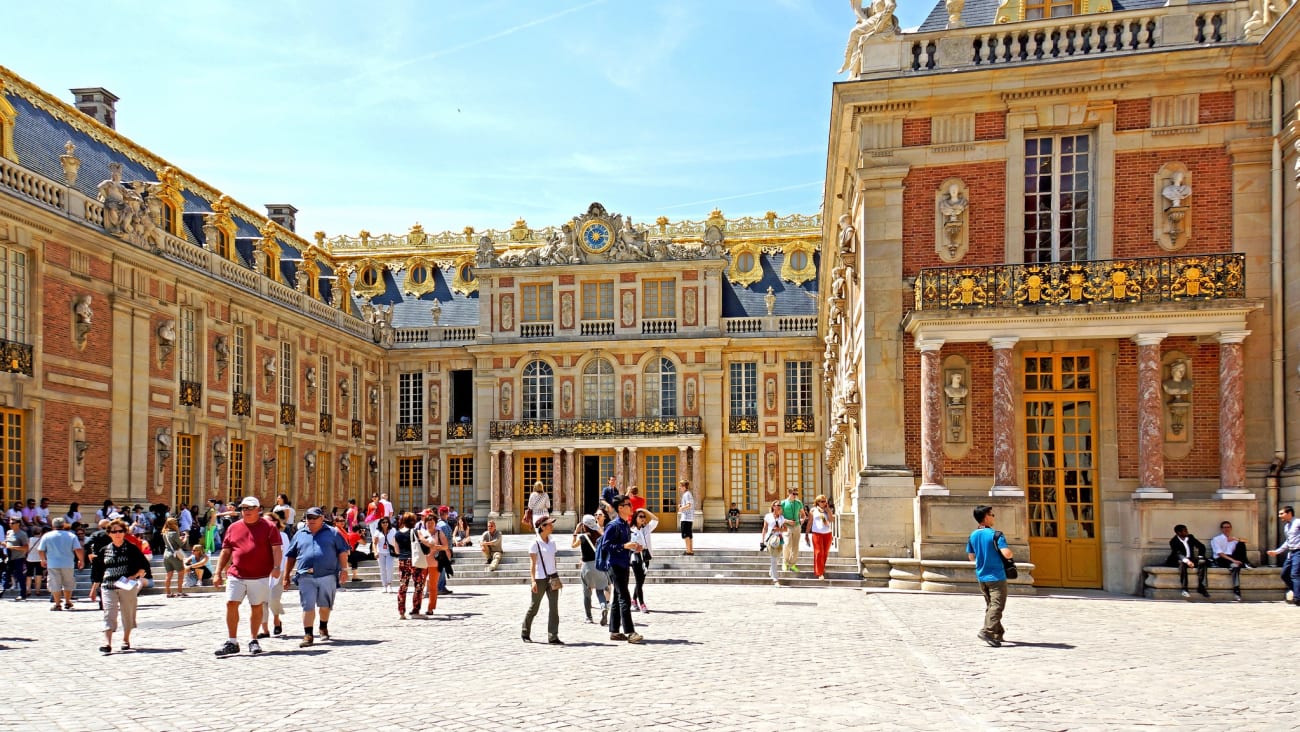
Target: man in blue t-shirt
60 554
990 571
315 559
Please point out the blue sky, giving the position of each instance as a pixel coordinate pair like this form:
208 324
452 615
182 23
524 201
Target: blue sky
378 115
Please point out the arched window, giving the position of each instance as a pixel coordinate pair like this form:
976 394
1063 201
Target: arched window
369 277
539 391
660 388
598 390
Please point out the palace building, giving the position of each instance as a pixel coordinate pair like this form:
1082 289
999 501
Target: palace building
1059 241
164 343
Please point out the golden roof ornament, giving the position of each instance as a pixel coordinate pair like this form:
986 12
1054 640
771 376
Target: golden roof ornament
416 235
716 219
520 231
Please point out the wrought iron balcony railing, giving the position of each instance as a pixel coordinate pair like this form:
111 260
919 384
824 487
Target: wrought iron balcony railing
591 429
460 430
288 414
326 423
1089 282
17 358
410 432
744 424
242 404
191 393
356 429
799 423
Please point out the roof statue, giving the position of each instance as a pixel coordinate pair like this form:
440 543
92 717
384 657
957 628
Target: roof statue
876 20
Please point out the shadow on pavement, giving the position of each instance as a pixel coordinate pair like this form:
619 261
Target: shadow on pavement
355 642
675 612
459 593
671 642
153 650
1058 646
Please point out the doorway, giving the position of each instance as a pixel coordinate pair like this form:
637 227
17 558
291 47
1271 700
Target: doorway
1061 476
596 470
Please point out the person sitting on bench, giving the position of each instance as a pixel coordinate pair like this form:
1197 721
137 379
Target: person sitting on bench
1229 552
1187 551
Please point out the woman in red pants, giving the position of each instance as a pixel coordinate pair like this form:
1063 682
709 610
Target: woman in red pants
822 522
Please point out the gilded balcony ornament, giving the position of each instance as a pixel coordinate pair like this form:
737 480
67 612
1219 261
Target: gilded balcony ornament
356 429
191 393
288 414
242 404
326 424
410 432
416 236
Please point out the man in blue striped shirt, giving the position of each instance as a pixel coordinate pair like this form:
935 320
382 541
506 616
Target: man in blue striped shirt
1291 545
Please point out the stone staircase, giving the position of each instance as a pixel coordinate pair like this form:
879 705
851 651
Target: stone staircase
670 566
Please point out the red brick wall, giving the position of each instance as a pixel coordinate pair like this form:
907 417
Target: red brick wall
990 125
978 461
986 215
55 441
1203 460
916 132
1215 107
1132 114
1211 179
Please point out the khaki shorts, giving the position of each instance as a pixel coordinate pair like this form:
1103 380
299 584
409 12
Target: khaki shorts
61 579
258 591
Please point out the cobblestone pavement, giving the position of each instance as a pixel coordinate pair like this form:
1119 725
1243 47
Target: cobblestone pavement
715 658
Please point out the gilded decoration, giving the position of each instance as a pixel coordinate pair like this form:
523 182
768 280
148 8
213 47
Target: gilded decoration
1144 280
746 266
410 432
520 231
288 414
222 238
356 429
595 428
464 281
191 393
419 276
416 235
370 278
799 252
268 251
8 115
242 404
168 189
742 424
17 358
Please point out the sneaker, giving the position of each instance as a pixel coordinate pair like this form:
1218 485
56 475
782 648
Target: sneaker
589 621
794 568
1290 596
1186 593
776 583
306 642
1236 597
1247 565
989 639
604 615
555 641
324 636
254 647
229 648
635 638
446 592
617 636
644 609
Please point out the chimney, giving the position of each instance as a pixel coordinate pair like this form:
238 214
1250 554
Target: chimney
97 102
282 214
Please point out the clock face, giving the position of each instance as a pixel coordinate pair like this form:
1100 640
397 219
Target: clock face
596 236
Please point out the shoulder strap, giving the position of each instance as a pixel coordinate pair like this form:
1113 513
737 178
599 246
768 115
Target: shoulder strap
541 558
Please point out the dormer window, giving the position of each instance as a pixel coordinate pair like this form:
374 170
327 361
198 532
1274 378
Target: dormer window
369 277
419 274
1040 9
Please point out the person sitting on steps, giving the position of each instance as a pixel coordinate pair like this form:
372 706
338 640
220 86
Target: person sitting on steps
1186 551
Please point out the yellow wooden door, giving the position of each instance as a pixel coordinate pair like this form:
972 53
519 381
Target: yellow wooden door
659 486
1061 471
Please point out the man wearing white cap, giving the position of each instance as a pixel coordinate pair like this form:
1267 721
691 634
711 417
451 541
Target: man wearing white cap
252 551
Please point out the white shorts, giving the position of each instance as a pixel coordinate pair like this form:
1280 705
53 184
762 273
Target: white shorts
257 591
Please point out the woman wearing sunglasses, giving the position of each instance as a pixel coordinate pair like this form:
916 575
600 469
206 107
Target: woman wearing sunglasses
125 569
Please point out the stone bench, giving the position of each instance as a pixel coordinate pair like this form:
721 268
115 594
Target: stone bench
935 575
1262 584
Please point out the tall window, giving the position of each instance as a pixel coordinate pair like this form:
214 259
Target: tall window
325 478
744 479
326 385
239 366
538 467
410 483
355 401
660 485
801 473
598 301
1039 9
238 469
286 373
1058 200
13 299
410 398
660 387
536 304
184 469
460 482
598 390
356 476
798 388
659 299
284 475
11 456
539 391
744 389
187 348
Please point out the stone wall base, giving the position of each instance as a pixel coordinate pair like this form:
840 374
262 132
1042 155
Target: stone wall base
1262 584
934 575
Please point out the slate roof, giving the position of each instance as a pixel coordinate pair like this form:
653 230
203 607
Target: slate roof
984 12
414 312
791 299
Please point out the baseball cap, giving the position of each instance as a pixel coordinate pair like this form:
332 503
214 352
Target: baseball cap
443 509
543 521
590 522
314 512
427 512
250 502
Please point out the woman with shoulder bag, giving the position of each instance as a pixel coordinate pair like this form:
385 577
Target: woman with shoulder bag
539 505
385 551
643 523
174 557
585 537
821 535
439 557
125 569
409 552
545 583
773 538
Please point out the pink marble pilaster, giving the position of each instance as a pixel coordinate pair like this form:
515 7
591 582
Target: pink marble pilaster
1004 420
508 483
631 470
495 482
931 418
1232 423
1151 431
557 476
619 478
697 485
569 503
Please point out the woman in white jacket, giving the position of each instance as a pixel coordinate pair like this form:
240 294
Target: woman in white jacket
385 537
643 523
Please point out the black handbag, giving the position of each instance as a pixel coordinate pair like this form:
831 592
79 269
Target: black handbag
1007 564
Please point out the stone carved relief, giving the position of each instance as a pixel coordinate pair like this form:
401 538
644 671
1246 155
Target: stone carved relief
82 319
506 400
690 395
166 339
221 355
955 393
848 238
381 323
770 393
689 305
163 452
1177 387
269 368
875 22
77 453
628 308
566 397
435 401
629 397
70 162
435 312
310 377
951 214
126 214
507 312
345 463
220 449
1173 209
345 388
566 310
309 462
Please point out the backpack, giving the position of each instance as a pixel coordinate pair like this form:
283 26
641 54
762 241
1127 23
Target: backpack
602 554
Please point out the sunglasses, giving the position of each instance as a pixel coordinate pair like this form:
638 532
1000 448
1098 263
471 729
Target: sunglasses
116 531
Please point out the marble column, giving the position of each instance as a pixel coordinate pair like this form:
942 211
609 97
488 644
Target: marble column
631 469
621 480
1232 422
557 478
570 505
1004 420
494 468
1151 431
697 485
931 419
508 483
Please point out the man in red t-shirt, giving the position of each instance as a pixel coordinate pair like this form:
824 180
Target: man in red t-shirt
252 551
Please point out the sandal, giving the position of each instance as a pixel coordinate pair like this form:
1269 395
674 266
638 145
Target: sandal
106 650
126 646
